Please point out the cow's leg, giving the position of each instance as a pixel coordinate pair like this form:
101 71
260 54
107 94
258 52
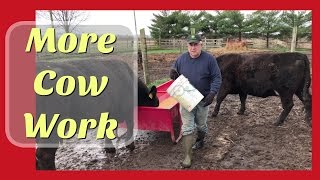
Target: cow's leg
287 104
129 140
45 158
220 97
300 96
129 137
243 98
109 147
307 105
308 108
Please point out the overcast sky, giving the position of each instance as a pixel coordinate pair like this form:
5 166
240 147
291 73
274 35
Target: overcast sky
116 17
125 18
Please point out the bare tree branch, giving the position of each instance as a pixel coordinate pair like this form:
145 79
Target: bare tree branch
67 19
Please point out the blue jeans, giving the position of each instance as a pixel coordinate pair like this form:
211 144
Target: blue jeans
197 118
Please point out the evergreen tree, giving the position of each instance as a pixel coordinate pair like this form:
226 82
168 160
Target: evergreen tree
301 19
230 24
264 24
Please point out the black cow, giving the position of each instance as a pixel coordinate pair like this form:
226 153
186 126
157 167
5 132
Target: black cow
146 97
263 75
117 99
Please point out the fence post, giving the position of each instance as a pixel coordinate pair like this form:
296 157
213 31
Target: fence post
143 46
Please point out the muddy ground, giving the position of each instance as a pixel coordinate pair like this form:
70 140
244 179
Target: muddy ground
246 142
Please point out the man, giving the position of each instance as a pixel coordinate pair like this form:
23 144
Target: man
203 72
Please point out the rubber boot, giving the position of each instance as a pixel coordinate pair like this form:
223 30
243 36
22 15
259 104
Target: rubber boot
200 141
187 147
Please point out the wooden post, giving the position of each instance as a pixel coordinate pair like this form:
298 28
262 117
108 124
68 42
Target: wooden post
294 38
144 56
193 31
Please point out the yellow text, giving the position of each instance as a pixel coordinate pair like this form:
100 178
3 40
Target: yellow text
71 84
68 42
106 127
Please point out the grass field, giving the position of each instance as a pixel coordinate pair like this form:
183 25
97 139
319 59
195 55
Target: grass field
158 82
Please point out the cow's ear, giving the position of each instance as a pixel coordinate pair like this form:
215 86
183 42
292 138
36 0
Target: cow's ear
153 92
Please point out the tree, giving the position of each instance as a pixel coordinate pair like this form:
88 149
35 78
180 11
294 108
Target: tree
170 24
301 19
67 19
204 23
230 23
264 23
180 24
159 28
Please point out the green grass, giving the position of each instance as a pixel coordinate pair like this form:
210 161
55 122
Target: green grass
158 82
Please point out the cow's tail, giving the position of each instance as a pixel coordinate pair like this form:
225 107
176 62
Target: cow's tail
307 79
307 98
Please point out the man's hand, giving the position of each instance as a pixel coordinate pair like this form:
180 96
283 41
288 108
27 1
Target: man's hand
208 99
174 74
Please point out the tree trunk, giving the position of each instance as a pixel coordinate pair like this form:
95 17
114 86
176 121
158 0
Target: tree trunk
294 38
51 18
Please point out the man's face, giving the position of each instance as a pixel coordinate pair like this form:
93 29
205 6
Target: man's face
194 49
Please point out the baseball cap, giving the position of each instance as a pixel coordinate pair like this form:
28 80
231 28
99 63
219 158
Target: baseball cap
194 39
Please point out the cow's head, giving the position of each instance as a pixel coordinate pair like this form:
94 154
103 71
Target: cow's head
152 99
146 97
